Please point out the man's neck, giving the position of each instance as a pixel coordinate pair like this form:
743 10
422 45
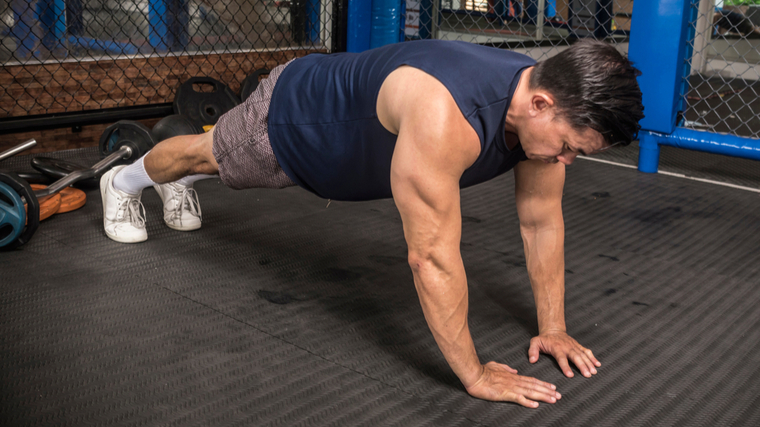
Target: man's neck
514 111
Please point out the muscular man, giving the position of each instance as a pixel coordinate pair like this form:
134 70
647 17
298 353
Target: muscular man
416 121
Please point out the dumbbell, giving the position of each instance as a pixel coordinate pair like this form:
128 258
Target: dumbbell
122 142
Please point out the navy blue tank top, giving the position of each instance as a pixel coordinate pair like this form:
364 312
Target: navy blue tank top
323 123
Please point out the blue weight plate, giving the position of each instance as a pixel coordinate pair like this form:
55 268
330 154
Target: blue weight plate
15 192
12 215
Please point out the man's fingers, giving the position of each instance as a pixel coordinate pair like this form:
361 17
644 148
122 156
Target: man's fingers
534 389
584 364
539 390
500 384
535 383
533 351
548 397
522 400
562 360
590 355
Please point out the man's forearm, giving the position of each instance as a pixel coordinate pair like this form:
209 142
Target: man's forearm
545 258
444 299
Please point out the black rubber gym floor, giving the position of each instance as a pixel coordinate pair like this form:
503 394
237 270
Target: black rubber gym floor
285 310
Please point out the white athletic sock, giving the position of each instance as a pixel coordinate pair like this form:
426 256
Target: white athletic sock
190 179
133 178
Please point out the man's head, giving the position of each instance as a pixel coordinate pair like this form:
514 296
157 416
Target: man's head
582 100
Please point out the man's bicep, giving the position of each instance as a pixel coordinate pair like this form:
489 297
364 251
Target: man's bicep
538 192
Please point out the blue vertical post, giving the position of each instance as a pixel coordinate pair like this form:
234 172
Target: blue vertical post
426 18
159 26
386 21
312 21
21 31
658 47
402 23
531 10
168 20
603 15
52 16
177 21
74 20
359 22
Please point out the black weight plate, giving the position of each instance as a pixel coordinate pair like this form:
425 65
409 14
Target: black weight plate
175 125
126 132
251 83
33 177
23 189
204 108
36 178
57 168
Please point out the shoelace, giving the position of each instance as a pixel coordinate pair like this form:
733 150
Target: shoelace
190 197
132 211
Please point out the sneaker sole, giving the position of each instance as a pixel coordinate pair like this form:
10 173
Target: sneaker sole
103 188
182 228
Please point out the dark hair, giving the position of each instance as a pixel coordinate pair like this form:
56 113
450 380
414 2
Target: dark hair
593 85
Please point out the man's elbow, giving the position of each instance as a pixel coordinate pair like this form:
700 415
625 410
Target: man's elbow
427 260
532 229
420 260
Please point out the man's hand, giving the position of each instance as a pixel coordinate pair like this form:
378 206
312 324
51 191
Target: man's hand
499 382
563 347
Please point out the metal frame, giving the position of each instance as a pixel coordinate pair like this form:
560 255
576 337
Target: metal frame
83 118
660 48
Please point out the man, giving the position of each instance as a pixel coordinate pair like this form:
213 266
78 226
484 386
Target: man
417 121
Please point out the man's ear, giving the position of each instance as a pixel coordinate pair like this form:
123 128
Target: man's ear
540 102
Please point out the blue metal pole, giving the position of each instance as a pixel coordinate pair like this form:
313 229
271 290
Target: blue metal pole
312 22
52 15
386 21
531 10
74 20
603 25
359 22
649 152
402 23
426 18
716 143
658 46
177 22
158 36
23 21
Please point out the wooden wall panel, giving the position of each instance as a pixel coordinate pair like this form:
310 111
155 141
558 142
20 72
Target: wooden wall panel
93 85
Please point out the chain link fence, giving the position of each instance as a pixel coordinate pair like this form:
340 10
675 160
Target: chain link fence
513 24
74 55
724 84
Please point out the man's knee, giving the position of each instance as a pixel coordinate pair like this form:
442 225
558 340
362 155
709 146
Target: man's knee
202 151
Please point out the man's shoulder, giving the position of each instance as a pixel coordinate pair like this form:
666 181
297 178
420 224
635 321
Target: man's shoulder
409 88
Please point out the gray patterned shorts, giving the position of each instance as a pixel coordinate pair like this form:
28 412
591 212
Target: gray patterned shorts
241 142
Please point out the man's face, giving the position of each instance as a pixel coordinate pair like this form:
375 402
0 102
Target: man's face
548 137
552 139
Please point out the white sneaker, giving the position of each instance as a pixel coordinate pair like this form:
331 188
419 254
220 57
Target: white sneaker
123 214
182 210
